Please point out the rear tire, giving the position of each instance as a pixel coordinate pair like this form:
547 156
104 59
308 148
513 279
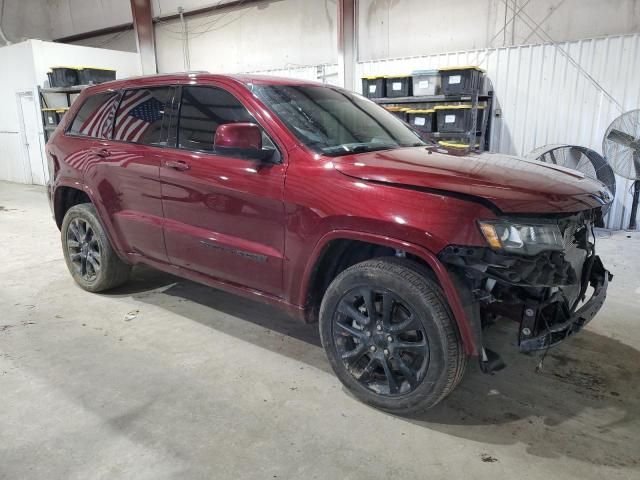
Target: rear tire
91 260
405 356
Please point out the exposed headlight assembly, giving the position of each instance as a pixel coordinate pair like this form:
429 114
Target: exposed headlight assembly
523 239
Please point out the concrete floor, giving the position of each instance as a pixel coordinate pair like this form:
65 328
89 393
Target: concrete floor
165 378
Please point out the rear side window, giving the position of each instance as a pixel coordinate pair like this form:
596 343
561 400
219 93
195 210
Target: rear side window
202 110
140 116
95 116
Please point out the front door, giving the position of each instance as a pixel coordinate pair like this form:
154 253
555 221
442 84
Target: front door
224 215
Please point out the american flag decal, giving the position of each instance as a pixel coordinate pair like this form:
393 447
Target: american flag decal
98 124
137 112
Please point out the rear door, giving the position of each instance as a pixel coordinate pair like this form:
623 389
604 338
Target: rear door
224 215
127 171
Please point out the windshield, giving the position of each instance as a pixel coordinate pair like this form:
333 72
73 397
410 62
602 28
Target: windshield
335 122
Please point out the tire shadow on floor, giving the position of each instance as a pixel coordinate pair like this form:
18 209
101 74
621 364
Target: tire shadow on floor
231 314
585 404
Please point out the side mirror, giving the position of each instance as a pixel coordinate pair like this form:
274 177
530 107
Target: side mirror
241 139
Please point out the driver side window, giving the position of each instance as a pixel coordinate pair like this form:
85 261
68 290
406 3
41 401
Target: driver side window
202 110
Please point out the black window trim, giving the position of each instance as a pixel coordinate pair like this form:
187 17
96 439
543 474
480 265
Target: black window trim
170 136
175 128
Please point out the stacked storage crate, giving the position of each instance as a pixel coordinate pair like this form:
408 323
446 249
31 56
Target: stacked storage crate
451 106
65 83
52 116
62 77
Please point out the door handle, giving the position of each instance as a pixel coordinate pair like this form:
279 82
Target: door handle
177 165
101 152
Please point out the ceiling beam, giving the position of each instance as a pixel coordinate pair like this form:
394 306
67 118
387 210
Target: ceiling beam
187 13
94 33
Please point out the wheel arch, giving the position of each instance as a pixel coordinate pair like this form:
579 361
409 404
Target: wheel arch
333 253
67 195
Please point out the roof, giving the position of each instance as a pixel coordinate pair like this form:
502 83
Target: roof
184 77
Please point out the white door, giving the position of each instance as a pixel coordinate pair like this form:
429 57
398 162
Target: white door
30 129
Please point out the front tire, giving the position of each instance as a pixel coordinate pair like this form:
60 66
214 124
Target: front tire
390 336
91 260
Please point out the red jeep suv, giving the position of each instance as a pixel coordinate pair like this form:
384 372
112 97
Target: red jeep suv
317 200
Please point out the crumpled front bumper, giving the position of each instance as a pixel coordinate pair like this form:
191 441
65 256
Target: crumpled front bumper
542 292
558 332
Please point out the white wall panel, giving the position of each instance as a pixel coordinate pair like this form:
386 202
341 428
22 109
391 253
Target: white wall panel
267 35
70 17
124 41
169 7
12 165
545 98
392 28
17 76
24 19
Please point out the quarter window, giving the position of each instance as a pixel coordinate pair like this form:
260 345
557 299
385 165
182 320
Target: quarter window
95 116
140 116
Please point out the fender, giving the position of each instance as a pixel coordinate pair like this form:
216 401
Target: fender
100 209
450 292
53 187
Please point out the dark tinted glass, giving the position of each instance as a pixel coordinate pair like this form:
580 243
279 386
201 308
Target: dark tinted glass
140 116
202 110
335 122
95 117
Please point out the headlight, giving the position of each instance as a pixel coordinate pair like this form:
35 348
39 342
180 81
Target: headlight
524 239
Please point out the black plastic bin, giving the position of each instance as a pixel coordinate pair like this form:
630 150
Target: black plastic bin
400 112
398 86
422 120
60 77
53 116
373 87
92 75
457 118
461 80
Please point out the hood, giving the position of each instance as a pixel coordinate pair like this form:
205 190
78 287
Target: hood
512 184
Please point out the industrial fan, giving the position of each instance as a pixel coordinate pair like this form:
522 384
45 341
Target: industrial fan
578 158
621 148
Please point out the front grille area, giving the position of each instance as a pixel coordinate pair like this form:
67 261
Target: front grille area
576 240
569 235
546 269
561 269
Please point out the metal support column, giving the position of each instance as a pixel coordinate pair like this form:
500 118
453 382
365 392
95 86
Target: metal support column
634 205
143 26
347 43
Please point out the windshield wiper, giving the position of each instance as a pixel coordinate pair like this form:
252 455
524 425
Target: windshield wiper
357 148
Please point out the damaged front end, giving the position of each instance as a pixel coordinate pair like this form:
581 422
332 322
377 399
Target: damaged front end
536 273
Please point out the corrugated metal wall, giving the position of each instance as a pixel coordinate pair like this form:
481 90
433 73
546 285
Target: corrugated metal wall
544 93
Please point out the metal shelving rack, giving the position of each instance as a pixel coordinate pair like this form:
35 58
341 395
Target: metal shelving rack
474 100
67 92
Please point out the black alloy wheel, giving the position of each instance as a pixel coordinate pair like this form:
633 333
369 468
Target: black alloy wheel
390 336
92 261
380 340
84 249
